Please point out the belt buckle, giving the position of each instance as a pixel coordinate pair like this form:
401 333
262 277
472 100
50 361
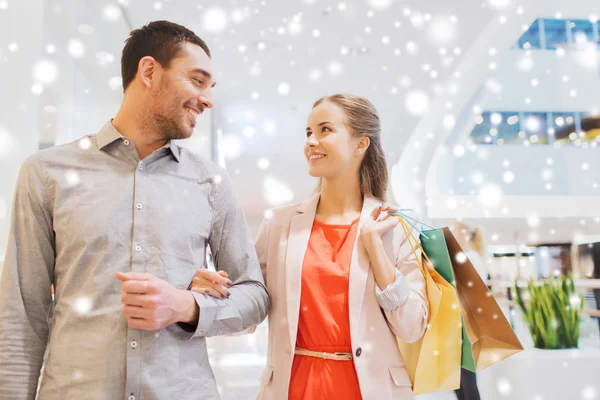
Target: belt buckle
324 355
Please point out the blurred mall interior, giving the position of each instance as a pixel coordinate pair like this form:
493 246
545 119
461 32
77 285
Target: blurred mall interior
489 114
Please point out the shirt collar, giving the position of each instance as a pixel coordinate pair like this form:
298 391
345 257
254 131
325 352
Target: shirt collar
109 134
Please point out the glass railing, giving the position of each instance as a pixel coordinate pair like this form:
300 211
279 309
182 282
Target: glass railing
554 34
556 128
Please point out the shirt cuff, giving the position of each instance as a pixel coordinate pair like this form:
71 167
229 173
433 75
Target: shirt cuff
206 317
395 294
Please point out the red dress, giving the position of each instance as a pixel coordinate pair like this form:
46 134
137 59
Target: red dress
324 322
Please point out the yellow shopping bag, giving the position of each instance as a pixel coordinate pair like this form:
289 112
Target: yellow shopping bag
433 362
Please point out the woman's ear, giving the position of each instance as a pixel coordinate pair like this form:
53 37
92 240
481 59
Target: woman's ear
363 144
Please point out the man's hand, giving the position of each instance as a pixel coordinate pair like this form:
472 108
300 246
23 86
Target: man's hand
150 303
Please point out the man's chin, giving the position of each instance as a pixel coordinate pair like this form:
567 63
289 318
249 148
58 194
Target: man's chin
187 133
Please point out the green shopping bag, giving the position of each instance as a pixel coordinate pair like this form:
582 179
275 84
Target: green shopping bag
434 244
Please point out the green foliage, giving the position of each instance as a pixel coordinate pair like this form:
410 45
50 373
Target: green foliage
552 313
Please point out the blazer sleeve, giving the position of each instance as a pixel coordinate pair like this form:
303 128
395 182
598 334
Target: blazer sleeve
406 308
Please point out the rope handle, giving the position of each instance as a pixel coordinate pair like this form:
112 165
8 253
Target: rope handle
409 236
409 218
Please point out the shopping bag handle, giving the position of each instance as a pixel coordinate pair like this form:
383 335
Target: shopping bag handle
409 218
409 236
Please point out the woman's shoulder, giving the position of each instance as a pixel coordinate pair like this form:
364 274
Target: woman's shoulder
290 210
281 213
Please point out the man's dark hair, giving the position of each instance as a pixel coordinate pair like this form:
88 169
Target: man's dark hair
159 39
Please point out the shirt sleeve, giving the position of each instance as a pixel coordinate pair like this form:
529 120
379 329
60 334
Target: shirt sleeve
234 252
25 285
395 294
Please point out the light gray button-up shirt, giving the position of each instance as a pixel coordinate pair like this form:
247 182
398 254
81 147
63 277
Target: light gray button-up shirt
84 211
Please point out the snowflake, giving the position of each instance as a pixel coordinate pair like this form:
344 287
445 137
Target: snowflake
115 83
283 89
249 131
83 305
231 147
263 163
72 178
417 102
490 195
76 48
268 214
589 393
504 387
276 193
215 20
217 179
335 68
508 177
111 13
45 72
85 143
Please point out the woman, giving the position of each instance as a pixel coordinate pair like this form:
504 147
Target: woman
470 239
332 329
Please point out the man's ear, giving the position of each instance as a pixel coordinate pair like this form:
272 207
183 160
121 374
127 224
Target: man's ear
147 71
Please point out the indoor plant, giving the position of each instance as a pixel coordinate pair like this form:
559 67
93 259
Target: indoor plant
552 313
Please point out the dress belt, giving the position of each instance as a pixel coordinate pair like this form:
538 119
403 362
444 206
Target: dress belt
323 355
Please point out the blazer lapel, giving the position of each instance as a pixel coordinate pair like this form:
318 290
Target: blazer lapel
360 267
300 229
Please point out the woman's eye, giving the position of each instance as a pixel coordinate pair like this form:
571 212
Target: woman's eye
308 134
199 82
325 127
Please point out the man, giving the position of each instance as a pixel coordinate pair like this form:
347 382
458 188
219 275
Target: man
118 222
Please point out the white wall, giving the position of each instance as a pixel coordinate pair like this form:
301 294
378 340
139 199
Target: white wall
552 93
19 108
530 167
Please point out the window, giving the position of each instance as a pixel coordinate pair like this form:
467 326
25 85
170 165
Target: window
564 126
534 127
497 127
531 38
481 131
590 127
582 32
543 128
555 32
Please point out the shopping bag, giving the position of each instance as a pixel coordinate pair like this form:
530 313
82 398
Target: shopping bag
491 337
433 362
434 244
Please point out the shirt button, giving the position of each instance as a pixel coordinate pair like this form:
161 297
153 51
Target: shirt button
126 142
133 344
132 397
139 206
138 248
358 352
140 167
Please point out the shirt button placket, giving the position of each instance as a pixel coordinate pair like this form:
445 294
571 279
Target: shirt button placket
138 247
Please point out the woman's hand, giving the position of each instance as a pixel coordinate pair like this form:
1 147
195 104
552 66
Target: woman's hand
215 284
377 225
